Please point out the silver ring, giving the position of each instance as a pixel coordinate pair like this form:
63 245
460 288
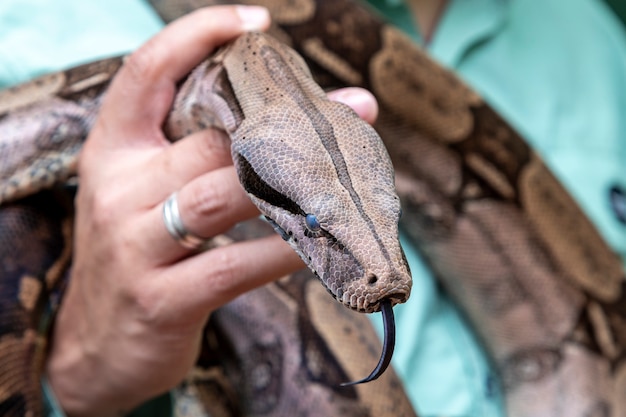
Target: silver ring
175 226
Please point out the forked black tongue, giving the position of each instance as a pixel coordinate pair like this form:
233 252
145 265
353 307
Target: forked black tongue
389 343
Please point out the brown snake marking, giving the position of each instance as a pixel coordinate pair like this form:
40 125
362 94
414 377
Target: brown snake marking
541 287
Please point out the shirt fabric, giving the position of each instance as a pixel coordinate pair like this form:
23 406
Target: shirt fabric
41 36
556 69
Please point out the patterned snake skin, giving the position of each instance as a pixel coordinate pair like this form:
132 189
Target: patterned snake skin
540 286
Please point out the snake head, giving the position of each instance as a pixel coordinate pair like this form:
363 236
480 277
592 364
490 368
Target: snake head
320 175
326 185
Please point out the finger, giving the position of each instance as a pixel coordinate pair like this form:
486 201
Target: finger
141 93
361 100
210 149
149 177
180 163
207 281
213 203
209 205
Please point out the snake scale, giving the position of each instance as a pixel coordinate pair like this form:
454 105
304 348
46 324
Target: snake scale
542 289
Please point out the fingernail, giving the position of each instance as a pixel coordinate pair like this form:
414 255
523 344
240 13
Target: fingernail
253 17
359 99
350 96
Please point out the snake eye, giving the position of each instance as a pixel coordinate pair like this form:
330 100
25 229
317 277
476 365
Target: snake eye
312 223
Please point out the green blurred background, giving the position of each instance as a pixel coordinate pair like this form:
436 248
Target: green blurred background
619 6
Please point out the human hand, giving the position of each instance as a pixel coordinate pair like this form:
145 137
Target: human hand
130 324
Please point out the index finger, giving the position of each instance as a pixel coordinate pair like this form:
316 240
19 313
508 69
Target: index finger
141 94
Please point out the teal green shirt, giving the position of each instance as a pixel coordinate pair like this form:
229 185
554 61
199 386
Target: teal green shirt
556 69
41 36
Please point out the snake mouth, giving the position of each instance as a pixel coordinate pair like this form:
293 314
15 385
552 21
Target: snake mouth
391 298
389 342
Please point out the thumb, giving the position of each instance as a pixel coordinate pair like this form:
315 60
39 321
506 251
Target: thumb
141 94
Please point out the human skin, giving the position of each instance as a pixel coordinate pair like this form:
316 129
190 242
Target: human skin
426 13
130 324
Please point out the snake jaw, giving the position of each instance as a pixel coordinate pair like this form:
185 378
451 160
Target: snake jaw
389 342
373 302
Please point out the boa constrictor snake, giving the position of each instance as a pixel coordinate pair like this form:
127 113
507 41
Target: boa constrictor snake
540 286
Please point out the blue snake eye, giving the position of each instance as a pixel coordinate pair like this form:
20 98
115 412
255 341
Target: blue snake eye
312 223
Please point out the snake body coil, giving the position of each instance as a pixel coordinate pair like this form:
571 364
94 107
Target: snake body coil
540 286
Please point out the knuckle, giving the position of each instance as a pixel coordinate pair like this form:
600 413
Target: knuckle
148 305
141 64
102 215
104 209
226 272
214 148
208 201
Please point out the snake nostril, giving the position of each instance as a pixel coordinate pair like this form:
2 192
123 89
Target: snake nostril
372 279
